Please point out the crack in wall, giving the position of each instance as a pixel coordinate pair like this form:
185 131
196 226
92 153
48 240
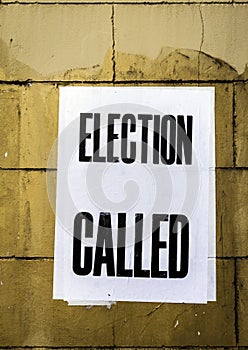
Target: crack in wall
113 43
236 301
202 40
234 146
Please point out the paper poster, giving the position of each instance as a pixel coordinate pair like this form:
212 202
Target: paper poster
135 206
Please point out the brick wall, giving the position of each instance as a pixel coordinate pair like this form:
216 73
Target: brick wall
47 44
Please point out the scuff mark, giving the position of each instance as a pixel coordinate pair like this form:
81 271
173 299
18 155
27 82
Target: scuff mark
176 324
154 309
27 227
181 313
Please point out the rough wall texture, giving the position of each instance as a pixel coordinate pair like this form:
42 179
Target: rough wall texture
45 44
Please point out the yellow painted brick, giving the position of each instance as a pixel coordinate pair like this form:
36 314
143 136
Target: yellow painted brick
39 125
54 42
242 282
241 132
180 64
150 324
231 209
37 219
9 126
9 212
224 125
181 32
226 33
150 28
29 316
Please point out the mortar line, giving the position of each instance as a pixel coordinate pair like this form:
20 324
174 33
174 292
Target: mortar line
120 82
135 3
55 169
176 347
28 169
113 44
236 296
13 257
234 127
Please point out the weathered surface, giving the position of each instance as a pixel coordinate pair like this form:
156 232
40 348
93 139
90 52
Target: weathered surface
220 31
9 210
30 317
137 324
232 208
37 320
9 126
50 51
29 117
181 64
241 124
37 219
224 125
39 125
242 300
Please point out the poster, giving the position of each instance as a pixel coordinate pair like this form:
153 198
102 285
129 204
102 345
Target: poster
135 206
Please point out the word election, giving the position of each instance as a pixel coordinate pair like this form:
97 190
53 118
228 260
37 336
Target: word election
171 140
103 252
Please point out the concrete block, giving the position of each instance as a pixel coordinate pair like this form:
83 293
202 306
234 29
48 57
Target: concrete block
9 212
242 300
226 33
197 48
9 126
224 125
241 130
231 210
37 219
39 126
53 42
30 317
152 324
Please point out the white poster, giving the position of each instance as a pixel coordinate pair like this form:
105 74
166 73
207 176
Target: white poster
135 207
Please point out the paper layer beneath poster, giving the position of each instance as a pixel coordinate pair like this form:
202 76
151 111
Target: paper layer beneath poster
135 208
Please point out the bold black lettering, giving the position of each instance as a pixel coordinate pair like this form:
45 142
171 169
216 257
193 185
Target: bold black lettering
156 139
138 272
77 244
175 220
96 138
121 270
83 135
184 139
111 137
144 118
168 141
104 238
125 120
157 244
